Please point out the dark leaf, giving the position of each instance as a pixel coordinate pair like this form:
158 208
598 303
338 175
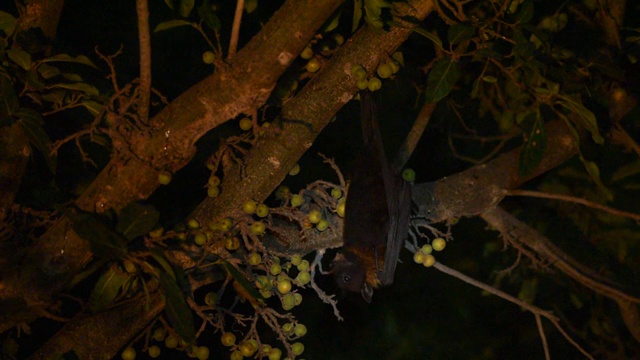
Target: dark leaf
442 78
460 32
84 87
588 119
535 142
104 241
31 122
242 280
9 103
136 220
107 288
185 7
20 57
171 24
33 80
525 14
48 71
80 59
209 16
7 23
177 309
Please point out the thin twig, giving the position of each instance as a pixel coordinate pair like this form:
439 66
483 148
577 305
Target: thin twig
545 345
573 199
235 30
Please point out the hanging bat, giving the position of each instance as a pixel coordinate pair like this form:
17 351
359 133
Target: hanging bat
376 215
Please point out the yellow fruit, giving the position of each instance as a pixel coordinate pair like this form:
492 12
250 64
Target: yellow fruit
313 65
419 257
374 84
128 354
249 206
438 244
429 260
164 178
228 339
315 216
307 53
284 286
208 57
246 124
384 70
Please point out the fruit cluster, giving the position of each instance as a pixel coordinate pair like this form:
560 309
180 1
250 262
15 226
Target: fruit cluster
424 257
385 70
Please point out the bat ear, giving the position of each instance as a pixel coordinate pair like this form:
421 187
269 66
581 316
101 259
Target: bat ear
367 292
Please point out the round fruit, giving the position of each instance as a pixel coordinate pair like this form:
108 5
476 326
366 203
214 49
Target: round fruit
258 228
255 258
409 175
262 282
300 330
246 124
313 65
154 351
296 200
128 354
296 259
294 170
211 298
231 243
426 249
287 328
307 53
200 239
322 225
358 72
247 349
158 334
249 206
418 257
213 191
208 57
362 84
297 348
394 66
202 353
225 224
193 223
315 216
275 269
304 277
338 38
236 355
228 339
298 298
304 265
171 342
429 260
438 244
336 193
275 354
283 193
129 266
164 178
384 70
288 301
262 210
213 180
284 286
340 209
265 349
374 84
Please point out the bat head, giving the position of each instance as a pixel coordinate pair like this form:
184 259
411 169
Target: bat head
350 274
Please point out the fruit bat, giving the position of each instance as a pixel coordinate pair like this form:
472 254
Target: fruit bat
376 214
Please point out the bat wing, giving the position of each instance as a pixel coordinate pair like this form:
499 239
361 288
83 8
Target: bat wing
399 211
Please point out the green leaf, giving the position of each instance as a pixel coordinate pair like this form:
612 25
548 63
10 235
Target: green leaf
20 57
525 14
594 172
242 280
535 142
169 3
136 220
171 24
357 15
460 32
7 23
55 96
442 78
177 309
185 7
159 256
84 87
33 80
103 240
107 288
206 13
589 121
32 124
48 71
80 59
72 77
94 107
9 103
626 171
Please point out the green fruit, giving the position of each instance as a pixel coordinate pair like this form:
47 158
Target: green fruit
384 70
275 269
262 210
300 330
298 298
211 298
297 348
438 244
164 177
249 206
429 260
263 282
284 286
213 191
275 354
313 65
294 170
200 239
231 243
171 342
236 355
193 223
322 225
304 277
213 180
340 209
202 353
225 224
158 334
296 259
358 72
246 123
283 193
208 57
307 53
297 200
409 175
303 266
128 354
394 66
362 84
288 301
247 349
129 267
336 193
315 216
154 351
255 258
338 38
258 228
419 257
287 328
228 339
374 84
426 249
